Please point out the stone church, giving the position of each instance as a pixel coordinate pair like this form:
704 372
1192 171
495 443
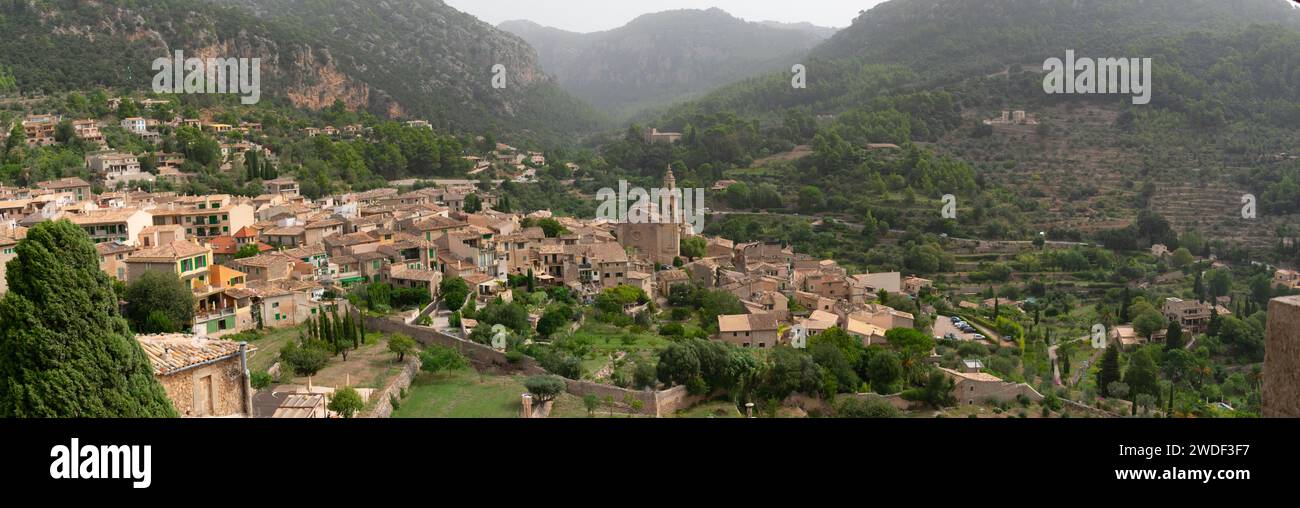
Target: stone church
658 239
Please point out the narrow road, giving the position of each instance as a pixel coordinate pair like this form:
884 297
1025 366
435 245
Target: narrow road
858 227
1056 367
1091 360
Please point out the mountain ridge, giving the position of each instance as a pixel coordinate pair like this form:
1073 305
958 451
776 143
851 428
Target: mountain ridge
398 59
663 57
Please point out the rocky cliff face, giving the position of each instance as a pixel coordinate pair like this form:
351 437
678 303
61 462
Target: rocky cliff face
397 58
416 53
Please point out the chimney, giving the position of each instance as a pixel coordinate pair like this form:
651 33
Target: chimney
248 378
1281 393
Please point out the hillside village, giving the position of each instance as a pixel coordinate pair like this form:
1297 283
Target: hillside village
282 261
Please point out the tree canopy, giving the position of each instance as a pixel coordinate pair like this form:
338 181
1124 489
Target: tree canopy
64 349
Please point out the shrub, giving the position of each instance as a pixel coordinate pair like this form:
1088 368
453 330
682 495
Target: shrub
562 363
851 407
401 344
544 388
346 402
304 360
440 358
260 380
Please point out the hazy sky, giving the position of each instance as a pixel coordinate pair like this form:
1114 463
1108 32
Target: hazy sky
597 15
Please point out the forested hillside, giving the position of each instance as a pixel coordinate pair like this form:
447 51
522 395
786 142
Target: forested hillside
397 59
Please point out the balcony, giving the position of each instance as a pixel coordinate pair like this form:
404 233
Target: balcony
205 315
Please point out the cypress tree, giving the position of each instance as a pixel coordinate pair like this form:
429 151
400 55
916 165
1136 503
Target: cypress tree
1109 371
1174 336
354 330
1127 299
361 327
65 351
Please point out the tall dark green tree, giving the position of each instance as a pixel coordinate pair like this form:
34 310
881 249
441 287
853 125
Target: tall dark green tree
1174 336
1109 371
64 349
472 204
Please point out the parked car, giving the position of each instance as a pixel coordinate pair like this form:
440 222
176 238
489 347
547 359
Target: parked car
978 337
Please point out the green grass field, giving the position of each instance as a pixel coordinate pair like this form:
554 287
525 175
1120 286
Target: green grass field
466 394
715 409
268 347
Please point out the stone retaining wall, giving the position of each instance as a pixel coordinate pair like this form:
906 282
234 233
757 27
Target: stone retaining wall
393 390
654 403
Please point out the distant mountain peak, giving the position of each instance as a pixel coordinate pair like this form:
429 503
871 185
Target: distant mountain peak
664 56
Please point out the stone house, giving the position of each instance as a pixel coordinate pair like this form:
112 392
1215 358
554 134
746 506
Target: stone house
202 377
748 330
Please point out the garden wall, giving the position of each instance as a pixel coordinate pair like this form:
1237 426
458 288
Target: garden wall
384 404
481 356
656 403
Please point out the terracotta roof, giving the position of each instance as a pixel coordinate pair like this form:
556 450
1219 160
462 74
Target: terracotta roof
172 353
746 322
172 250
974 376
103 216
223 245
63 183
264 260
104 248
475 279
